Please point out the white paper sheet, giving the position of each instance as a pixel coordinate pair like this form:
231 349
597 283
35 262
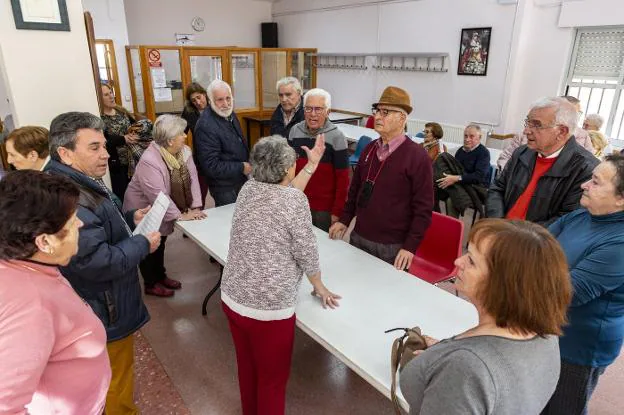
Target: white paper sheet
153 219
159 78
163 95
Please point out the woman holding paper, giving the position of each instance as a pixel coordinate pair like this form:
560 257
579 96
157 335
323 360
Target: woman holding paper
166 166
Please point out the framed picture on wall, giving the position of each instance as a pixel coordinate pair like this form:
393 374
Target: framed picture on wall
40 15
474 51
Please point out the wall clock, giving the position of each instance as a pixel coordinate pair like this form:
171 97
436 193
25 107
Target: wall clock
198 24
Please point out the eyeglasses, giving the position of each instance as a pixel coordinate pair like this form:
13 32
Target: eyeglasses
536 125
383 112
316 110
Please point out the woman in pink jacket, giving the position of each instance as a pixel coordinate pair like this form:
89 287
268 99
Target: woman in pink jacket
166 166
53 357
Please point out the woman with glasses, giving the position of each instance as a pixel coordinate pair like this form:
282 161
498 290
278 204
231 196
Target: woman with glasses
433 135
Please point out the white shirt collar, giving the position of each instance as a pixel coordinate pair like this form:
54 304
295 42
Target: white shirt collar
45 163
553 155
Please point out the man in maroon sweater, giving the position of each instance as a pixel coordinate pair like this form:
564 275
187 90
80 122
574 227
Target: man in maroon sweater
391 191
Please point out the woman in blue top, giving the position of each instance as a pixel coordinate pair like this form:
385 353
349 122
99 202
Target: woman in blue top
593 241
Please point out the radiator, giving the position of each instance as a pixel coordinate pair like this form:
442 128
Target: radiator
452 133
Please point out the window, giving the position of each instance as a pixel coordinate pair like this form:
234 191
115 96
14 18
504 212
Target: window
107 65
596 76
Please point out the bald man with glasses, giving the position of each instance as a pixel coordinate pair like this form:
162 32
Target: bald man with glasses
542 180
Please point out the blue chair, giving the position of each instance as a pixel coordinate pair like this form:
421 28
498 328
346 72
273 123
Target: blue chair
491 175
362 143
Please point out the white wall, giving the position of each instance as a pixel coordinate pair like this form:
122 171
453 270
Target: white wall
46 72
228 23
542 55
411 26
592 13
529 52
109 22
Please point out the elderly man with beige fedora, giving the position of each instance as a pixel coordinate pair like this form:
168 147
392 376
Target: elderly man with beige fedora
391 191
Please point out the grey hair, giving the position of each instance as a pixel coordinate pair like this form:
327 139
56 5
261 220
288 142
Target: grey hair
595 119
217 84
318 92
271 158
166 128
565 113
64 130
289 80
476 127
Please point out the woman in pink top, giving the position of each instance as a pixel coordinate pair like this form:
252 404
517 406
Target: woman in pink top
53 356
166 166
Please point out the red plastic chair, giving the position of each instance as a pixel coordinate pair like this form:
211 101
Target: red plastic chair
434 260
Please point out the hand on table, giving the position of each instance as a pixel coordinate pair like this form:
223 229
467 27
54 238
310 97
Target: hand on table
328 299
403 260
337 230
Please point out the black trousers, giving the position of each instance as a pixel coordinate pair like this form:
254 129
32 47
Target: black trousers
574 389
321 220
153 266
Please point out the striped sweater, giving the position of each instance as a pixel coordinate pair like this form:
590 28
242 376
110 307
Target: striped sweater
327 189
272 245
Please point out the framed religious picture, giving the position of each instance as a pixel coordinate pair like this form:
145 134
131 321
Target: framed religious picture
474 51
40 15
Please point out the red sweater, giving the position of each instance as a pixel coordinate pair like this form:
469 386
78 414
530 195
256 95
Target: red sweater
399 209
327 188
520 208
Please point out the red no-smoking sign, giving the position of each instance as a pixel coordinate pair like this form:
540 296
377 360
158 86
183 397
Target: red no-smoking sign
153 56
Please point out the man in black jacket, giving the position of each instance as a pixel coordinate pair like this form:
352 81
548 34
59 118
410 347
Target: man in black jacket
104 271
542 181
221 149
290 111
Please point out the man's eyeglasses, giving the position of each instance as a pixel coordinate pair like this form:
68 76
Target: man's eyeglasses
536 125
383 111
316 110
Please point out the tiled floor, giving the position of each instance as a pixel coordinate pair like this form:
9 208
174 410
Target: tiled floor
198 355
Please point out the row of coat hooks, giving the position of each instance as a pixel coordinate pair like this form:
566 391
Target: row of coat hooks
412 62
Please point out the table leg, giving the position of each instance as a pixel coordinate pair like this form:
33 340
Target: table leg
210 294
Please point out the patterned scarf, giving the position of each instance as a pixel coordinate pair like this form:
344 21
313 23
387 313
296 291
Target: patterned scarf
180 179
142 128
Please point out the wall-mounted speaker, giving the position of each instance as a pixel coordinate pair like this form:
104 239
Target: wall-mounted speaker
269 35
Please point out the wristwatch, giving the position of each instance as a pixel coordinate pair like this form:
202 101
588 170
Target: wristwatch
460 178
310 172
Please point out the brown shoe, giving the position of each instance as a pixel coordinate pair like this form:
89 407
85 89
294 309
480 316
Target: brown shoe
159 291
169 283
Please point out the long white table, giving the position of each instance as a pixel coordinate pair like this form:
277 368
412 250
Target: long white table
376 297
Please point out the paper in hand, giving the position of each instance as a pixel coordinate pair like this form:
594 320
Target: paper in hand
153 218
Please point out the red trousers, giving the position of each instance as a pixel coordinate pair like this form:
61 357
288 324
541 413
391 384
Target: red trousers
263 355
